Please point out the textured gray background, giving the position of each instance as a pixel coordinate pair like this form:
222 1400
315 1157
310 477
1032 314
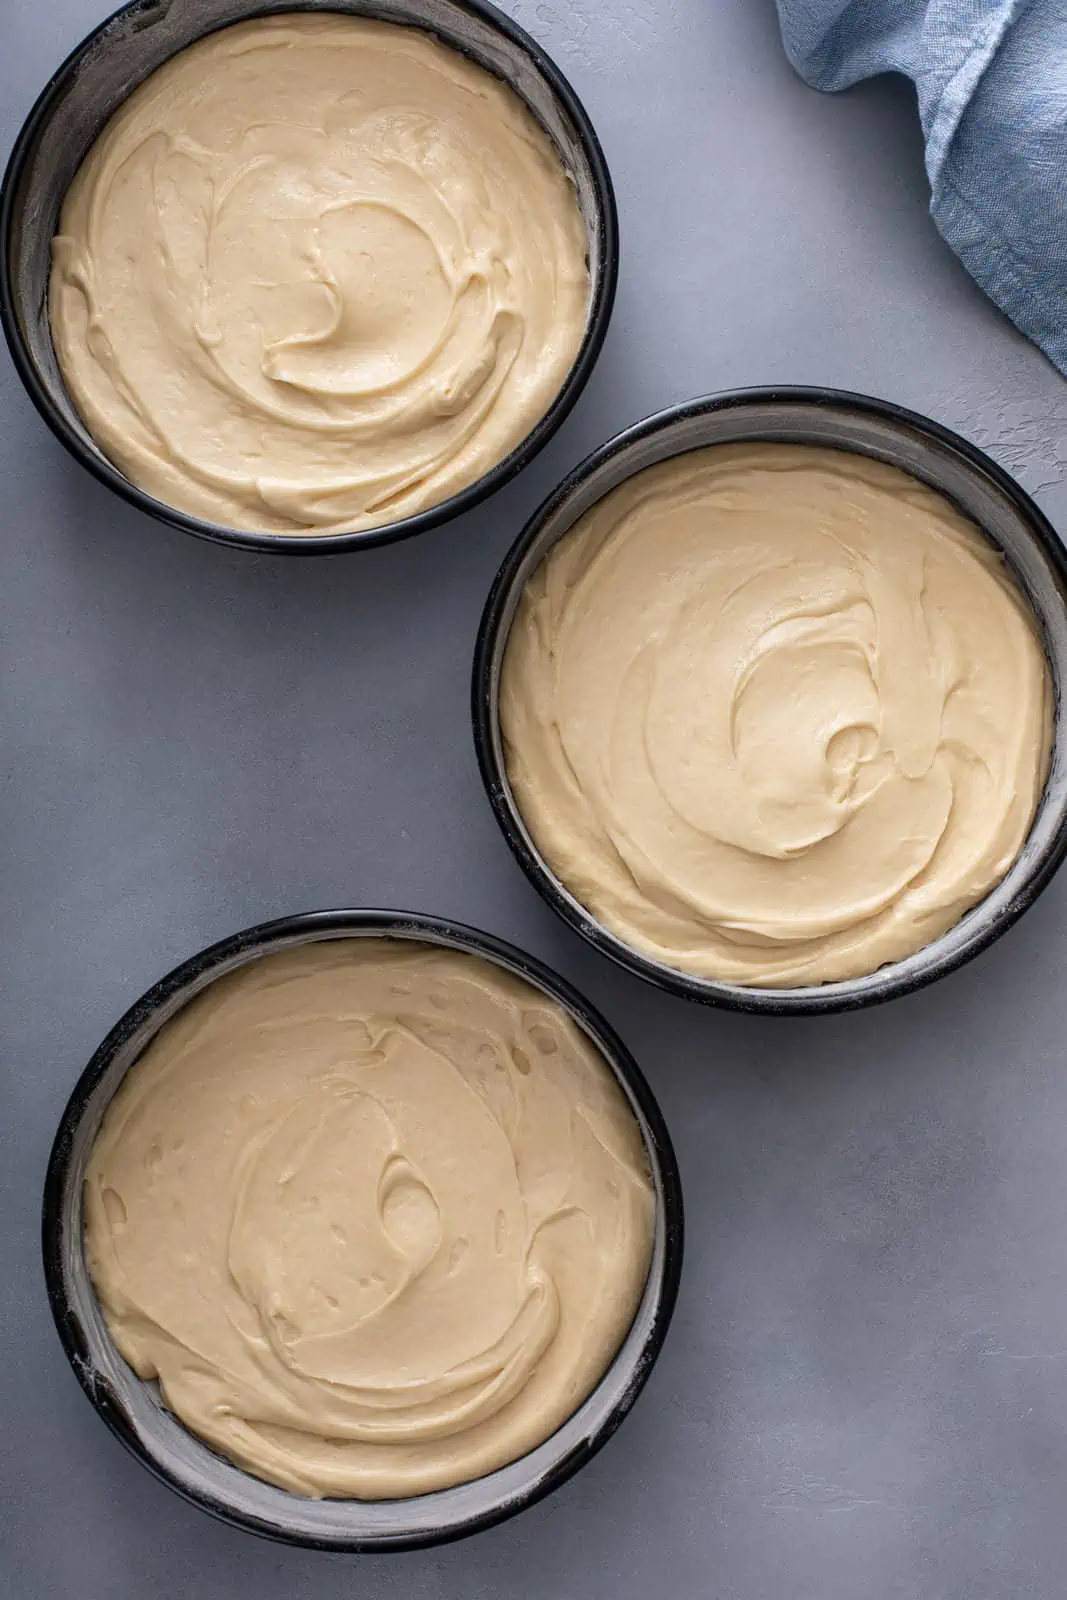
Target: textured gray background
865 1389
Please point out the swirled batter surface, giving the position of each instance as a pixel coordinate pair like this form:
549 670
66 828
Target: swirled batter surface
377 1215
317 274
776 715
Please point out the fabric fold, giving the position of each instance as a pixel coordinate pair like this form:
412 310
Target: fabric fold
991 82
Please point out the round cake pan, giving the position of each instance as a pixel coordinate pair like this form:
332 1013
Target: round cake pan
118 56
974 483
133 1409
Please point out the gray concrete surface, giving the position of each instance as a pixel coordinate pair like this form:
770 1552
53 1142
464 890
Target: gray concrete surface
865 1390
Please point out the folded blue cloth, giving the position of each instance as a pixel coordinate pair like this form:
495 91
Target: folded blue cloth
991 76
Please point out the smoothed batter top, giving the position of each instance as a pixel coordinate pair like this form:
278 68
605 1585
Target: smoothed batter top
376 1214
775 714
317 274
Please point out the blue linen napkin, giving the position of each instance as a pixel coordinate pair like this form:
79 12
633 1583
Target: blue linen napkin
991 77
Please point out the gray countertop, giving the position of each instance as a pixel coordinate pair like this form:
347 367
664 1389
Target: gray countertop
864 1392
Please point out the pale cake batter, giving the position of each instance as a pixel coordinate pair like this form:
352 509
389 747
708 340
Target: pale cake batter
376 1214
317 274
776 715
